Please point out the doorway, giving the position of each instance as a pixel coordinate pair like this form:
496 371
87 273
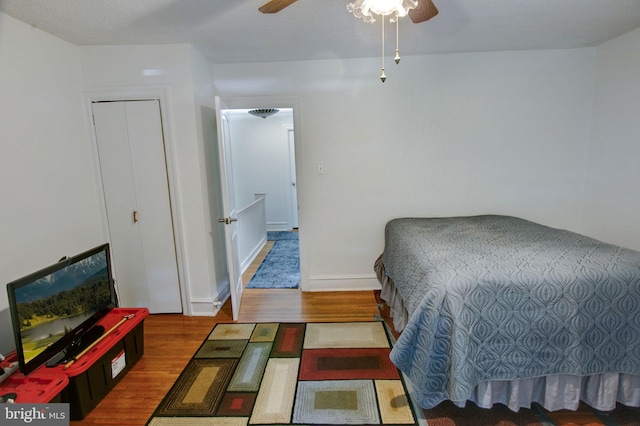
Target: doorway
264 164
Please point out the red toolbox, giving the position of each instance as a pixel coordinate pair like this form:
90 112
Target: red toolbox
39 387
95 373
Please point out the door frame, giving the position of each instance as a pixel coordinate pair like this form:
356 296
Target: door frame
160 94
294 104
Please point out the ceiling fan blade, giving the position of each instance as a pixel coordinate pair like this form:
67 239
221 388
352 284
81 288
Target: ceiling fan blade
275 6
425 11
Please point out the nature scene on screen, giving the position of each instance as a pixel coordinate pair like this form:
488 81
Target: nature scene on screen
54 305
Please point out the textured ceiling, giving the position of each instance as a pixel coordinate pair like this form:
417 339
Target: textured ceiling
228 31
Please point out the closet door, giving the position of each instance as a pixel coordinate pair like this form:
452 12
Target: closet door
134 177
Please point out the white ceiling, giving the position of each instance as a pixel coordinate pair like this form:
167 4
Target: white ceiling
228 31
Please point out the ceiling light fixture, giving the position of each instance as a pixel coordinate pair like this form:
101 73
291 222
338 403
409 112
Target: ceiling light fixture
395 9
263 112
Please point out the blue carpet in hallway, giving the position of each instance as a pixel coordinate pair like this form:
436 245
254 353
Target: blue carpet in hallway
281 235
281 267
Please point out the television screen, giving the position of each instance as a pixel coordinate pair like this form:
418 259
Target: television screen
54 308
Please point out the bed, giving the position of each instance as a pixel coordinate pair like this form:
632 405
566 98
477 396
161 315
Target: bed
498 309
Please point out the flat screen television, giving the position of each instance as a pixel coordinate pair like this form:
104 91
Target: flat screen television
54 311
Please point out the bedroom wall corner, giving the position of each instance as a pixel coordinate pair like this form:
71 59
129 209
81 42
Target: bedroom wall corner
48 183
612 191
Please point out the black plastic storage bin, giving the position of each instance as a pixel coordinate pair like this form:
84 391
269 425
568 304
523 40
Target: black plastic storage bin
97 375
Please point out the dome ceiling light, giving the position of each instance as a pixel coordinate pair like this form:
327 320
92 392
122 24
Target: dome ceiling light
263 112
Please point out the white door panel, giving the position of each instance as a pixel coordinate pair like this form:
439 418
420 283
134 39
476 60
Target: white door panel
133 166
229 208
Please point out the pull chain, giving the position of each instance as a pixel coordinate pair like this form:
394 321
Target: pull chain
383 77
397 58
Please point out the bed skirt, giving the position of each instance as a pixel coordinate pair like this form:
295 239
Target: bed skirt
555 392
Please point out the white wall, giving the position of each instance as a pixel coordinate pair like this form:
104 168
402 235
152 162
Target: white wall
48 179
260 152
501 132
210 166
612 201
186 77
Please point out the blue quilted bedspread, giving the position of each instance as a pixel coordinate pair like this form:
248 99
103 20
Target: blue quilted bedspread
499 298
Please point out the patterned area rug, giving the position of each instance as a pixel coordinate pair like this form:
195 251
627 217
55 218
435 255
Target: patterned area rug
291 373
281 266
318 373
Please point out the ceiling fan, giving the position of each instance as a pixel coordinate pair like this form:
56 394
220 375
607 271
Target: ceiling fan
423 12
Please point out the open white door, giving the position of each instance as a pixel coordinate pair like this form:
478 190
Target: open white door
229 208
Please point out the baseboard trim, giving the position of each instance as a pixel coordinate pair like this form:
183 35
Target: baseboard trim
278 226
209 306
252 256
342 283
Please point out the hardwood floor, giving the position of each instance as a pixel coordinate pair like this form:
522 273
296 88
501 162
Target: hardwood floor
171 340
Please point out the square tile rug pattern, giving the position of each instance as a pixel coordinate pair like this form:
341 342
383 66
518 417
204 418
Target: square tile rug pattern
290 373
